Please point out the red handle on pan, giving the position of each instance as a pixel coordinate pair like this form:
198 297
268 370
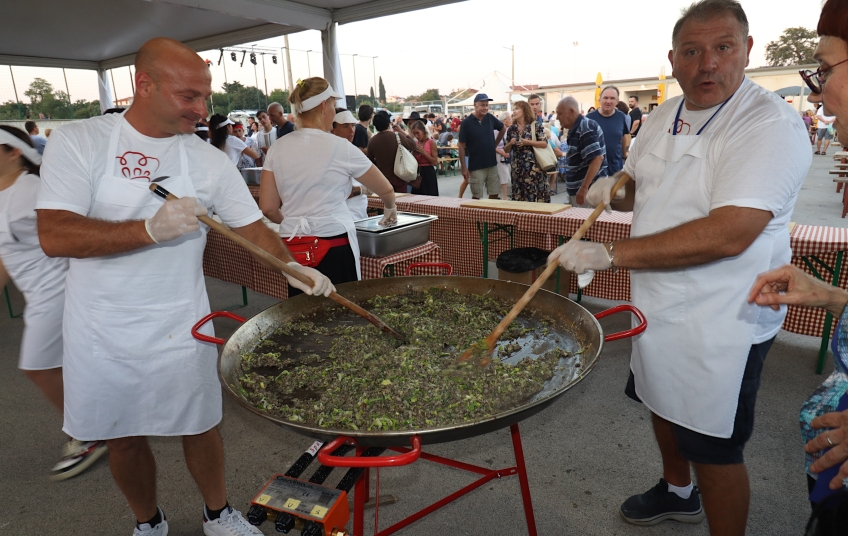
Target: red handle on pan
643 322
206 338
325 458
444 265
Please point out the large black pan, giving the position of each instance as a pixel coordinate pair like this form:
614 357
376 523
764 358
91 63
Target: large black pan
570 326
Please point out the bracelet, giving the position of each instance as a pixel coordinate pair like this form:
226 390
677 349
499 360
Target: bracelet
611 255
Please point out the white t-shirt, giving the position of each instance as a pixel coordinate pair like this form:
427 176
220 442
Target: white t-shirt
746 170
314 172
233 147
74 163
265 139
823 118
43 272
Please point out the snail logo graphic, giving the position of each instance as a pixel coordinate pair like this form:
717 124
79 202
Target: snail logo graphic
136 166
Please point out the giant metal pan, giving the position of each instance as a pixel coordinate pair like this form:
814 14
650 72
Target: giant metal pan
568 320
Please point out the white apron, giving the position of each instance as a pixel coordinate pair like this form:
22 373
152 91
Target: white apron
132 367
302 226
690 361
358 205
41 280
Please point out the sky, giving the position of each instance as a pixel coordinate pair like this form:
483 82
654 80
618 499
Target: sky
458 45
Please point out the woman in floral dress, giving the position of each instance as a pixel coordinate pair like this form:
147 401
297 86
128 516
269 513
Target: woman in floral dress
529 182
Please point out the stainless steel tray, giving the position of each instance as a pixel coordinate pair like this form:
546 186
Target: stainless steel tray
378 241
251 175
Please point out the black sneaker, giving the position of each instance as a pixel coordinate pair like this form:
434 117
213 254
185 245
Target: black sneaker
658 504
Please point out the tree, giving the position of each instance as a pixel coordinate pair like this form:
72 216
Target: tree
430 95
382 91
795 46
38 90
281 96
372 95
13 110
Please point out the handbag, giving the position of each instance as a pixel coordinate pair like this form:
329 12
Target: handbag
545 157
310 250
406 166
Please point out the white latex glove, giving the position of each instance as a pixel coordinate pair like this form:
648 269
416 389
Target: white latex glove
600 191
321 284
175 219
580 257
389 216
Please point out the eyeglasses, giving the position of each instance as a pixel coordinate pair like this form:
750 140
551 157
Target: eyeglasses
815 79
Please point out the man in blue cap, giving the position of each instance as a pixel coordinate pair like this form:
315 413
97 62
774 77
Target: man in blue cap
477 141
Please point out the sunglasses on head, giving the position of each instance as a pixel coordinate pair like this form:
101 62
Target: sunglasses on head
816 79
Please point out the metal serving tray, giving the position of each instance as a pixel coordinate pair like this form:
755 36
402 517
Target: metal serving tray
251 174
377 241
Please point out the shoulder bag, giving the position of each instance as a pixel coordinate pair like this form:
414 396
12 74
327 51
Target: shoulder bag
545 157
406 167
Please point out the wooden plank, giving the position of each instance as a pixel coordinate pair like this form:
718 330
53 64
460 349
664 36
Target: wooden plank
397 194
840 179
792 225
516 206
838 171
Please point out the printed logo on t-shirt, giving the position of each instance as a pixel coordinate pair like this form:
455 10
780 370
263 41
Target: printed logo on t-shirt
137 166
680 124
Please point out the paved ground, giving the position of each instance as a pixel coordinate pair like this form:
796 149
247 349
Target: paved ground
585 454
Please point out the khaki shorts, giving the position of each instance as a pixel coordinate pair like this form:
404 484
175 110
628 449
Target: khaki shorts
488 177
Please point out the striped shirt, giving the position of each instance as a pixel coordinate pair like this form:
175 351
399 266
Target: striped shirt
585 142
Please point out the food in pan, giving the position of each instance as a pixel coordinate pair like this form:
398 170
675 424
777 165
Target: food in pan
332 370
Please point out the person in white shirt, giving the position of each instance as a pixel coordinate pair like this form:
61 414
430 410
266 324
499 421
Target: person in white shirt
42 282
265 136
824 132
135 282
221 136
245 161
711 200
344 126
307 178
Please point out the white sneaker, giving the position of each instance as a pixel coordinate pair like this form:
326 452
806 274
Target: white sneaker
231 523
159 530
77 456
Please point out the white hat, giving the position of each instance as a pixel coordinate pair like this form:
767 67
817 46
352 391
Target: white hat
344 118
225 123
315 100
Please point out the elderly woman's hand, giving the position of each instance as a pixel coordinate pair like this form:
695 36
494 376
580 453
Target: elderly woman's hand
835 439
792 286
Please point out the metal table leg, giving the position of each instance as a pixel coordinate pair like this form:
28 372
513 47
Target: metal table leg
243 301
9 303
484 233
835 273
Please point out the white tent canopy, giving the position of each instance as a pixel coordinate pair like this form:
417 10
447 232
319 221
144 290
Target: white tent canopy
496 89
98 35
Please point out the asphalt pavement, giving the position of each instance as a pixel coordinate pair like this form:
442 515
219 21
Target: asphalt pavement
585 454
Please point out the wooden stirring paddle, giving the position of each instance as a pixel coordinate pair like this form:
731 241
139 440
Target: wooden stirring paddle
485 354
280 265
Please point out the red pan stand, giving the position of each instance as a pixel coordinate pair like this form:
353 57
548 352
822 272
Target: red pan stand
410 455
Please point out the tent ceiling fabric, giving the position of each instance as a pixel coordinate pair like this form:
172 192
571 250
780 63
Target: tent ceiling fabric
88 34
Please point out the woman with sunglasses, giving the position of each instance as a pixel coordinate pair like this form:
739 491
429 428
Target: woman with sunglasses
824 416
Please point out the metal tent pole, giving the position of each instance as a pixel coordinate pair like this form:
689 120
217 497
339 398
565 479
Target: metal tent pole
17 100
71 106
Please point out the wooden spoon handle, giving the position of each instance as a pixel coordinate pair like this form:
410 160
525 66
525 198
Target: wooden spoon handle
279 264
550 269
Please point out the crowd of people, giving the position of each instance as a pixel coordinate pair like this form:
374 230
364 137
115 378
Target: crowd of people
113 277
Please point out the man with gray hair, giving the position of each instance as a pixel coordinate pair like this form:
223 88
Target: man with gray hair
586 153
711 200
278 117
616 131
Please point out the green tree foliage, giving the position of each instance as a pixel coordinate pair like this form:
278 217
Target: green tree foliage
382 90
795 46
429 95
372 95
281 96
13 110
38 90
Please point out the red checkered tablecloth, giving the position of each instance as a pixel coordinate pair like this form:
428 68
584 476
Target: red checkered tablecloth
824 243
229 262
457 234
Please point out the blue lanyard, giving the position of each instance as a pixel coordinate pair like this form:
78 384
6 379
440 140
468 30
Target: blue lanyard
680 108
